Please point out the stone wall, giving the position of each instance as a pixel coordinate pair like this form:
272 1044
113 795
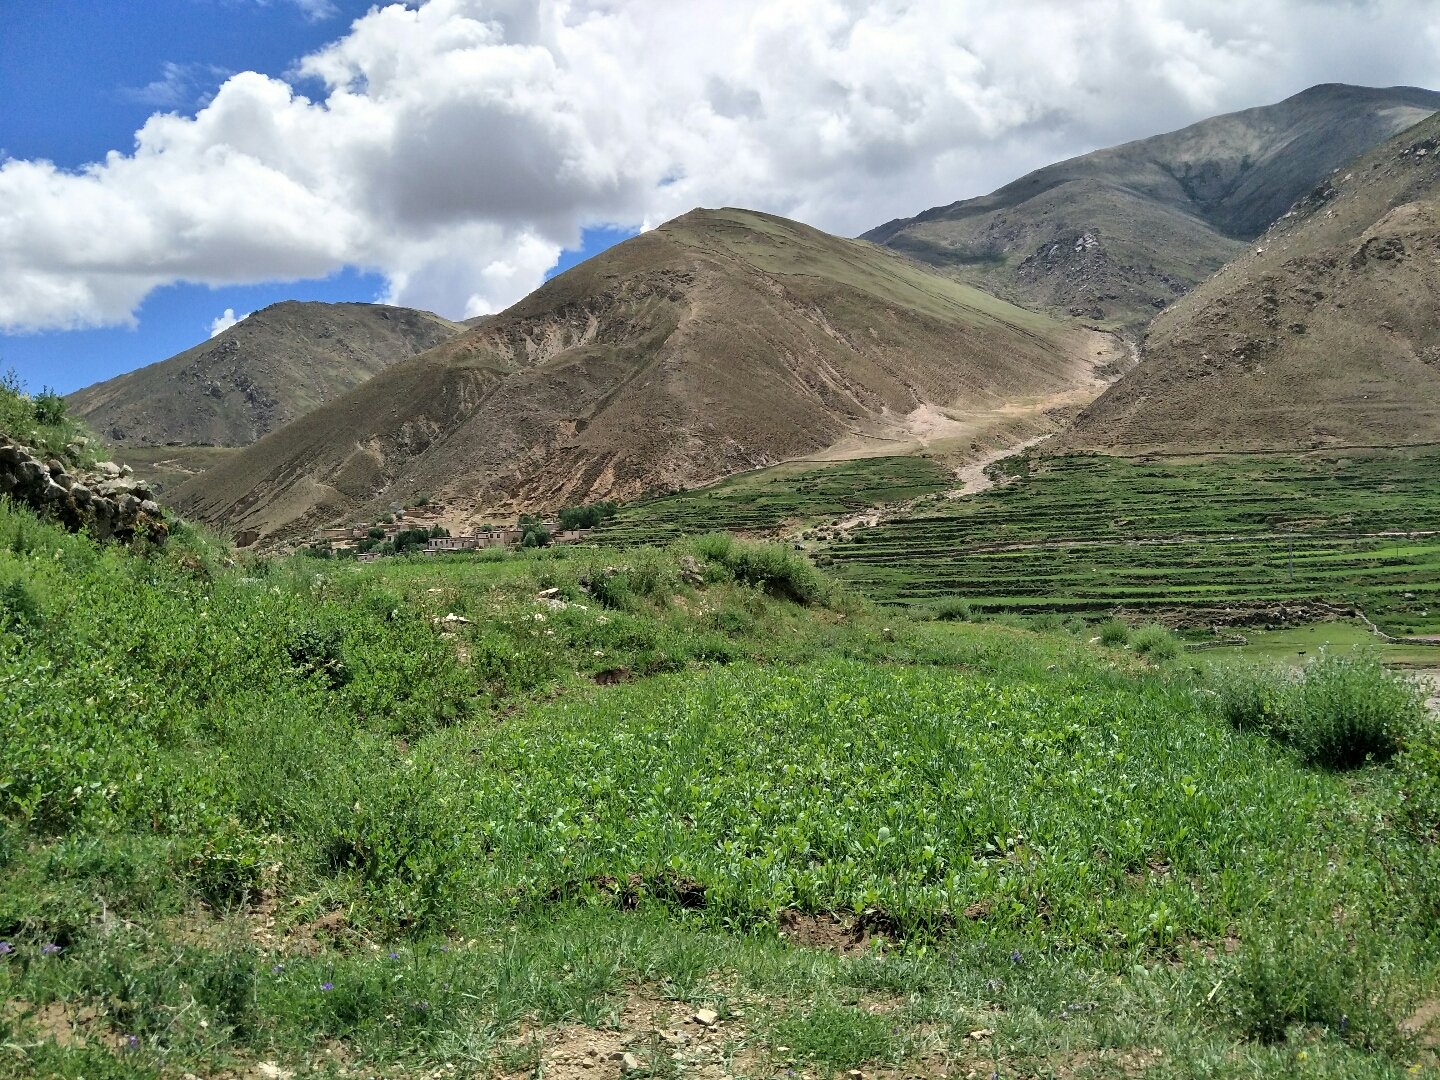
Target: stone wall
108 501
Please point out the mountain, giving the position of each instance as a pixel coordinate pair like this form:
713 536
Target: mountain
1325 333
722 341
1119 234
268 369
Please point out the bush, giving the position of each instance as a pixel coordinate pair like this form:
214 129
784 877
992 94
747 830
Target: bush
1339 711
1352 708
1115 633
952 609
778 570
1308 976
1155 642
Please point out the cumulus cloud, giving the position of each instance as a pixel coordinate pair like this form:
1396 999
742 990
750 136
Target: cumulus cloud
225 320
457 146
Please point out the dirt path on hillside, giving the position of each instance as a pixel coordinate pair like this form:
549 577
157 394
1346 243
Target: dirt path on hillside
966 437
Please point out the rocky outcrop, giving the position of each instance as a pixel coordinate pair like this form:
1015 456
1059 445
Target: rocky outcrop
107 502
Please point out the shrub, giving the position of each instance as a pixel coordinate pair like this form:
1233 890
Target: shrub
1352 708
1155 642
1115 633
774 568
1308 976
1339 712
49 408
952 609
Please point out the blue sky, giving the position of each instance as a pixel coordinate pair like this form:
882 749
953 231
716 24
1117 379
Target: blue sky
79 77
163 162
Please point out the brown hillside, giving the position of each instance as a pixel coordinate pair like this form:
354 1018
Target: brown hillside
266 370
1120 233
722 341
1326 333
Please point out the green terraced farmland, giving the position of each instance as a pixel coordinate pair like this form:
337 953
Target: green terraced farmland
1088 535
762 501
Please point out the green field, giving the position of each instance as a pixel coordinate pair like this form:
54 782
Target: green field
764 501
1192 538
509 812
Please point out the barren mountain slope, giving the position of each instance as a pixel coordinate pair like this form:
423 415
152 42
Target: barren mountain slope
266 370
1120 233
722 341
1326 333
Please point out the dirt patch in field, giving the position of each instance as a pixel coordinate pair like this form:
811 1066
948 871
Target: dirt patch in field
649 1036
1423 1025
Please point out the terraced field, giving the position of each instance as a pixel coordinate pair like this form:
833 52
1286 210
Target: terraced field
763 501
1202 537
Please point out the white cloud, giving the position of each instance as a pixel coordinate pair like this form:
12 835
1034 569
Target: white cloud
225 320
457 146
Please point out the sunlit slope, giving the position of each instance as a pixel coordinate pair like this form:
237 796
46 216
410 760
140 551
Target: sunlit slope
722 341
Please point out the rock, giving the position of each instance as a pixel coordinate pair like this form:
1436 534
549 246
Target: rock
629 1063
102 502
706 1017
691 572
546 594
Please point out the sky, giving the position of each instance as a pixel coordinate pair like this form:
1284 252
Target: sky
169 166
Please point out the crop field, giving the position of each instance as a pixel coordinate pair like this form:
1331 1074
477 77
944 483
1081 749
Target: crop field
763 501
1087 535
515 812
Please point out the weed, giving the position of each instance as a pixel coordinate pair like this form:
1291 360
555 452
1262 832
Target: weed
1156 643
1114 633
952 609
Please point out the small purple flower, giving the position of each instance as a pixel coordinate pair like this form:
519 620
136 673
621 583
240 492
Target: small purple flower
6 948
394 956
326 987
1016 958
444 948
132 1042
49 949
278 968
423 1006
1344 1023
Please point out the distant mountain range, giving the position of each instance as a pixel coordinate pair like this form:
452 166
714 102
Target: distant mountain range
722 341
729 340
268 369
1325 333
1116 235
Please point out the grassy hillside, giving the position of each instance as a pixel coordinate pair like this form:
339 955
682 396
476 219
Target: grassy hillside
773 499
723 341
1120 233
504 815
1323 334
272 367
1199 540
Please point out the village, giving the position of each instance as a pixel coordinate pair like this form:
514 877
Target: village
417 530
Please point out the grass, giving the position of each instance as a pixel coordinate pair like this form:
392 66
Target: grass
377 819
1191 539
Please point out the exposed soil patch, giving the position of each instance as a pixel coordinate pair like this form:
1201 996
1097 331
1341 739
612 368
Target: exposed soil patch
1423 1025
649 1037
845 934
